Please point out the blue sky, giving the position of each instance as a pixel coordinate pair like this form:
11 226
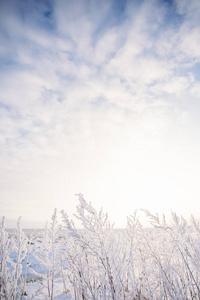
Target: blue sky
102 98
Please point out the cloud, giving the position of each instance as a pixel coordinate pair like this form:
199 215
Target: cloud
191 11
94 102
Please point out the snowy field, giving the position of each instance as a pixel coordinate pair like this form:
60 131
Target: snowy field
99 262
30 267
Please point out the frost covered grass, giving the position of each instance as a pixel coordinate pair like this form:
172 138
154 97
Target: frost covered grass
98 262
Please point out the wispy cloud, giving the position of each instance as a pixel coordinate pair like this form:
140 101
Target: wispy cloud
98 97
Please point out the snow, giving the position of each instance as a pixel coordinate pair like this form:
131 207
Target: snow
98 262
32 287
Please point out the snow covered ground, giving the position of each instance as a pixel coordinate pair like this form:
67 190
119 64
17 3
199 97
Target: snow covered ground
35 285
98 262
33 290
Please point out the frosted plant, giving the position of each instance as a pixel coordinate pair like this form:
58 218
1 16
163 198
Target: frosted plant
176 258
20 242
141 276
6 246
13 253
161 262
47 253
92 255
30 246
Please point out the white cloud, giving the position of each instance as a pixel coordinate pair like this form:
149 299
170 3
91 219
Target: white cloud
190 43
98 106
174 86
191 11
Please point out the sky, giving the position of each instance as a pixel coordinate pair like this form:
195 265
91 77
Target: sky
100 98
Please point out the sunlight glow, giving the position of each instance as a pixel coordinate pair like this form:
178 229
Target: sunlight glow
99 98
